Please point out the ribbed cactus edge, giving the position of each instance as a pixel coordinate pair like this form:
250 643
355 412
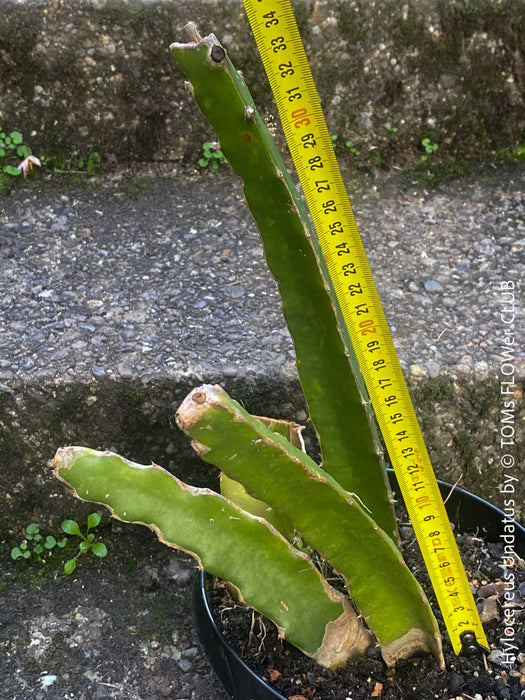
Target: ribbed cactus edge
226 542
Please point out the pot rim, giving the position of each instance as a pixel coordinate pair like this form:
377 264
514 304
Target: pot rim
211 638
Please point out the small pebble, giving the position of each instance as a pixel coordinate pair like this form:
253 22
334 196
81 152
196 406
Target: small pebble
433 286
406 532
490 569
489 609
434 369
497 656
230 371
125 370
185 665
491 589
454 682
236 291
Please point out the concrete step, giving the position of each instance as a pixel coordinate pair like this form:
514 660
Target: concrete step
78 76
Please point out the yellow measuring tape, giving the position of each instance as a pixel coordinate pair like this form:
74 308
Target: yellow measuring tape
279 43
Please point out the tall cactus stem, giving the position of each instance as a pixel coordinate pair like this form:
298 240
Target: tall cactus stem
328 369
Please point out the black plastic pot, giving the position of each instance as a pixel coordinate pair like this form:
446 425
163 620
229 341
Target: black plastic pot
469 514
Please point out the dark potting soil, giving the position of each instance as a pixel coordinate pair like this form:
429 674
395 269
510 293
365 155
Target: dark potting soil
483 677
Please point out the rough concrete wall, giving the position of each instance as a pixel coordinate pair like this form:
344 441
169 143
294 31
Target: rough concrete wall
459 420
82 76
131 417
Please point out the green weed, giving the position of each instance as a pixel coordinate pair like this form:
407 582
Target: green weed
85 165
212 156
35 546
87 543
429 147
349 144
12 148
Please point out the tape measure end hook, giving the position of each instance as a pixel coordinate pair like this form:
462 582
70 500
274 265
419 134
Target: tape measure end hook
470 645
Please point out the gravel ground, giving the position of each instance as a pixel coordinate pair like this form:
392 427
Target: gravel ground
117 628
167 276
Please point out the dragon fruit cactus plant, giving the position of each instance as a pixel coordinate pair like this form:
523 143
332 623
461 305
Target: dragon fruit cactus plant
275 496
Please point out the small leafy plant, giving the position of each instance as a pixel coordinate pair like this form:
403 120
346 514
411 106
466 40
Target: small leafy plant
16 159
275 496
517 154
91 164
12 149
351 146
348 143
212 156
429 147
34 545
87 543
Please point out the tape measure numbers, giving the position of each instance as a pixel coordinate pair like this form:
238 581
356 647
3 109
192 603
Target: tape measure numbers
279 43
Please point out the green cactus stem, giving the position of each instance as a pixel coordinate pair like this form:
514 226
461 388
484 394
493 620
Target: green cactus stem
228 543
329 519
328 370
236 493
